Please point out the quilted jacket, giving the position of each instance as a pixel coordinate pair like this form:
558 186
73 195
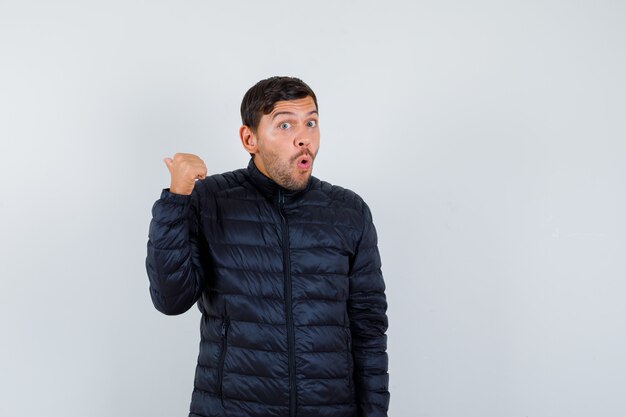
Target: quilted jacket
290 290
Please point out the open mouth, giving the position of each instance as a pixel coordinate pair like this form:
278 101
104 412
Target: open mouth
304 162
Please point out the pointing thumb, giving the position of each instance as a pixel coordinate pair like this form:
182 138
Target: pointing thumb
168 162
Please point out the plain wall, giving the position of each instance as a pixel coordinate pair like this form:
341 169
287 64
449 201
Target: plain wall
488 138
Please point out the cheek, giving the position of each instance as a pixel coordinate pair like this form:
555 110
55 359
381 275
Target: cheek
278 148
316 141
276 139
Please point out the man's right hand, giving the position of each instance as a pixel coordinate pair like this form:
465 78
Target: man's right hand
185 169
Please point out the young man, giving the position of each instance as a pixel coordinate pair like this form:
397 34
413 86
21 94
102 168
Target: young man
285 270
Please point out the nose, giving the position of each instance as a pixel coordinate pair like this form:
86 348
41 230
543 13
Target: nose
301 139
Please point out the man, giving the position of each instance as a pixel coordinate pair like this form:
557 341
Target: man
284 268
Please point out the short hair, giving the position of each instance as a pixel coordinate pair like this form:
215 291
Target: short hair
261 97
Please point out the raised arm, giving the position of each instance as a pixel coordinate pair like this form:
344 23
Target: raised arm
175 241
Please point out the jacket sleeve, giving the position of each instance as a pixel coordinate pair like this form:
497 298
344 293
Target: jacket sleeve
174 262
367 306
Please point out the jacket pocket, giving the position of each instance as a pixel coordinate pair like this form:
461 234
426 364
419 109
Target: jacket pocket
350 359
222 358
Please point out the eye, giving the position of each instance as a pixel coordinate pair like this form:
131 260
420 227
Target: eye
311 123
285 125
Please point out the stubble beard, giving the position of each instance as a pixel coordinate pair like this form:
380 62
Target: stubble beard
282 172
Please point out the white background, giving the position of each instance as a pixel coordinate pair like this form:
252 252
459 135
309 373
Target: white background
488 138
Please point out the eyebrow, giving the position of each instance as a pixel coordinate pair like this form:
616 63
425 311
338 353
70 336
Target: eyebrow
292 113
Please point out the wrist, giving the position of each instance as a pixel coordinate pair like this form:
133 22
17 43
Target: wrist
174 189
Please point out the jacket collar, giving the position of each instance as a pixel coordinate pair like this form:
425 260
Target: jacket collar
269 188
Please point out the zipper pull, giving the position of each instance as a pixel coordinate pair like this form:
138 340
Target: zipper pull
225 324
281 198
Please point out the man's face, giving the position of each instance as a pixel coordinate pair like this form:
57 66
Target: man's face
287 142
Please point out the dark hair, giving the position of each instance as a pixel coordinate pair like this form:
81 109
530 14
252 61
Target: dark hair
261 97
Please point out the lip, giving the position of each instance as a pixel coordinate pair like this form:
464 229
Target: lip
304 162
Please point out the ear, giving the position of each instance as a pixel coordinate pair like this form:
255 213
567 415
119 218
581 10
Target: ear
248 139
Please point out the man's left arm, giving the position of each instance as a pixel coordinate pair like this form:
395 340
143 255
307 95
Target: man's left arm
367 307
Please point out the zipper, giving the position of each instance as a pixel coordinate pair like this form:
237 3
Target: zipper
288 305
220 368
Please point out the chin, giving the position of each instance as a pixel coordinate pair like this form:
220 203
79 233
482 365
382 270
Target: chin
294 185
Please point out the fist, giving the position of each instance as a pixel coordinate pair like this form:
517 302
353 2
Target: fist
185 169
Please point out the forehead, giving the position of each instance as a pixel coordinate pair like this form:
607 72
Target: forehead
301 105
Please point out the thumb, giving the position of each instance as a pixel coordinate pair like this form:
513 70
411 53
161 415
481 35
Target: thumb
168 162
